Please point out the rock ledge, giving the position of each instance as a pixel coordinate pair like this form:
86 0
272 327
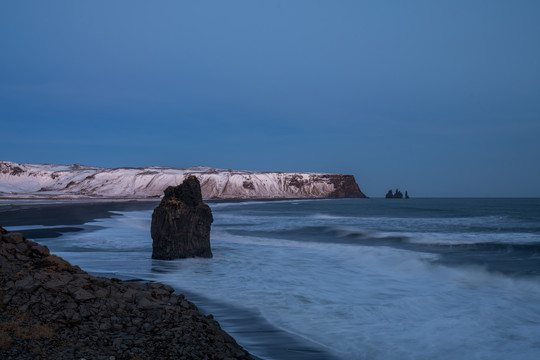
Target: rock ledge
51 309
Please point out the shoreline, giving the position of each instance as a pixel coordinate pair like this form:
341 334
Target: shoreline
51 308
251 329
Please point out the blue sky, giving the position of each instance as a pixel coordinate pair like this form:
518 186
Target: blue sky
440 98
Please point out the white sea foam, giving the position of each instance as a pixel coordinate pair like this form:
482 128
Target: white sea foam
369 302
124 231
421 223
33 227
221 205
471 238
363 302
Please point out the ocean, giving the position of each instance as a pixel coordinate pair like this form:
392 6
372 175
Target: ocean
340 279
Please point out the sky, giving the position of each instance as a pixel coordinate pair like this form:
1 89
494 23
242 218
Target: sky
440 98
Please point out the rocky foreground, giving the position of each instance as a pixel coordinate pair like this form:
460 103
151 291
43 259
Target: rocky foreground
50 309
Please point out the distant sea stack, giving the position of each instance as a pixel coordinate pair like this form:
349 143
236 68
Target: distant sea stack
397 195
46 181
181 223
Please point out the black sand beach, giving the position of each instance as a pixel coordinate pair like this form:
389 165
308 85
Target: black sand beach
250 329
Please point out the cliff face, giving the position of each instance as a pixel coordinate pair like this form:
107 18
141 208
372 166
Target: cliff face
60 181
345 187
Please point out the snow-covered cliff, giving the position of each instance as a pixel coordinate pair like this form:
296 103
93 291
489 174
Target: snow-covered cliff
76 181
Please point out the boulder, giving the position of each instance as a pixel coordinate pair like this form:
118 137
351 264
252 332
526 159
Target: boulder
181 223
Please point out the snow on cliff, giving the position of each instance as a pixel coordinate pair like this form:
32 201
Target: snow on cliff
75 181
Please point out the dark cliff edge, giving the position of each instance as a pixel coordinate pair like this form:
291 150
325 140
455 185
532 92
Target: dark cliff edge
345 187
50 309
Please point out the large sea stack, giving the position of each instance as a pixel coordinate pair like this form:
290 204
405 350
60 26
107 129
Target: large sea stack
181 223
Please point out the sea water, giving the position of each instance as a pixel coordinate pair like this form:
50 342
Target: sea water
361 278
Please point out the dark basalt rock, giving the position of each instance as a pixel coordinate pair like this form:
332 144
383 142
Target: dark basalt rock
181 223
397 195
6 168
50 309
345 186
248 185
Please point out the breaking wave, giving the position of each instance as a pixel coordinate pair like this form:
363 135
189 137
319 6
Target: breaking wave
365 285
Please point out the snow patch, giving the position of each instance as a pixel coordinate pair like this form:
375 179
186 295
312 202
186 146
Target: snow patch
47 180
